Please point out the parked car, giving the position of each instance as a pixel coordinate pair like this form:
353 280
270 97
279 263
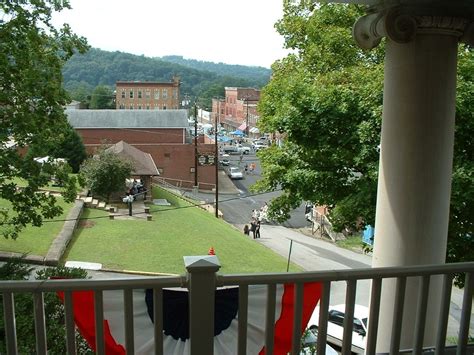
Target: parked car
235 173
243 149
229 149
259 145
225 160
335 328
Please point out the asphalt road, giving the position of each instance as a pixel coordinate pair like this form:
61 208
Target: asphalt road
238 209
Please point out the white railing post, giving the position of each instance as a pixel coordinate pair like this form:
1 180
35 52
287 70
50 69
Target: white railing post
202 286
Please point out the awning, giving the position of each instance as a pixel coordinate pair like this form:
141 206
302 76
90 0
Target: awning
254 130
242 127
237 133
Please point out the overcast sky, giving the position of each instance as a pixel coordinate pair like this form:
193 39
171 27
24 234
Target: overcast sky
232 32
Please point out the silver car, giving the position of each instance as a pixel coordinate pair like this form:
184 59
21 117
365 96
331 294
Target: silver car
235 173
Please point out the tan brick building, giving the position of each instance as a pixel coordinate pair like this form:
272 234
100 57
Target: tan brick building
143 95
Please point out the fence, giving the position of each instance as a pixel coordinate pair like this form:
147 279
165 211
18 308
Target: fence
202 280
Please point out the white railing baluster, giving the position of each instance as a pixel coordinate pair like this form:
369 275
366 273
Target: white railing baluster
444 314
69 320
158 319
99 322
40 328
374 312
270 319
348 324
128 318
10 324
323 318
421 314
202 287
243 317
466 314
297 319
398 315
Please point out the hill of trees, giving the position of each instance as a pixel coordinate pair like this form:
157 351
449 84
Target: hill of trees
84 72
259 75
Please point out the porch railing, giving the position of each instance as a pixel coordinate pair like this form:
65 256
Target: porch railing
202 280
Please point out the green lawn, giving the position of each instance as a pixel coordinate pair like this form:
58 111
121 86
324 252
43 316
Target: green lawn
159 245
35 240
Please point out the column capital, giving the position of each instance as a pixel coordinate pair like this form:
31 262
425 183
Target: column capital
402 23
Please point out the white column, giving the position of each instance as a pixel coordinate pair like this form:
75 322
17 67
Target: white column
416 157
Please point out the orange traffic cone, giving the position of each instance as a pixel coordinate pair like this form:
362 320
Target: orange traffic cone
211 251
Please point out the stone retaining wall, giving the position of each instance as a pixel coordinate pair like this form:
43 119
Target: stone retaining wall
59 244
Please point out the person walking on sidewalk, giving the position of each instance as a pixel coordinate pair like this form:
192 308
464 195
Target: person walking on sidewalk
257 229
253 227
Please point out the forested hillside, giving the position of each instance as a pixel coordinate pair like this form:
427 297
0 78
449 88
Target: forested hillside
259 75
83 73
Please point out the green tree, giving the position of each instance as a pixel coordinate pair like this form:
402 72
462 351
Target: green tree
68 146
102 98
326 101
32 53
71 148
105 173
16 269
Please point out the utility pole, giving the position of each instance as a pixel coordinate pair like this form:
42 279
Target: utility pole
195 148
247 121
216 161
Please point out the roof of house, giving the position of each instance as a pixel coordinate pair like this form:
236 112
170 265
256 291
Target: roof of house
128 118
143 163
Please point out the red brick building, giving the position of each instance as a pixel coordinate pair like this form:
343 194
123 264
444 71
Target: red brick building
238 110
163 134
142 95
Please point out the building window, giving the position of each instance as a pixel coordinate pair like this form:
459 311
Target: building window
122 106
164 107
165 94
147 93
157 94
131 106
147 106
139 94
123 94
139 107
131 94
175 93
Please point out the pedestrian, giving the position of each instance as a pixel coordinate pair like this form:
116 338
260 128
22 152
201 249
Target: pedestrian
257 230
246 229
246 168
253 227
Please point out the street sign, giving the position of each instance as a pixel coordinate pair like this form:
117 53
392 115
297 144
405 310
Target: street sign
206 159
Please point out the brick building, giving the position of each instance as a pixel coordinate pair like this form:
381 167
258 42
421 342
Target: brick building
238 109
143 95
163 134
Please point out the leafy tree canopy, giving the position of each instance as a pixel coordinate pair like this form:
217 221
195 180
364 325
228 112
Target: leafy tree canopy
105 173
32 53
326 101
102 98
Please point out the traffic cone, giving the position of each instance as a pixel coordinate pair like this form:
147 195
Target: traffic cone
211 251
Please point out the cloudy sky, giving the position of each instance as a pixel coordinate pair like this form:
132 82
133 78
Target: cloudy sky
232 32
